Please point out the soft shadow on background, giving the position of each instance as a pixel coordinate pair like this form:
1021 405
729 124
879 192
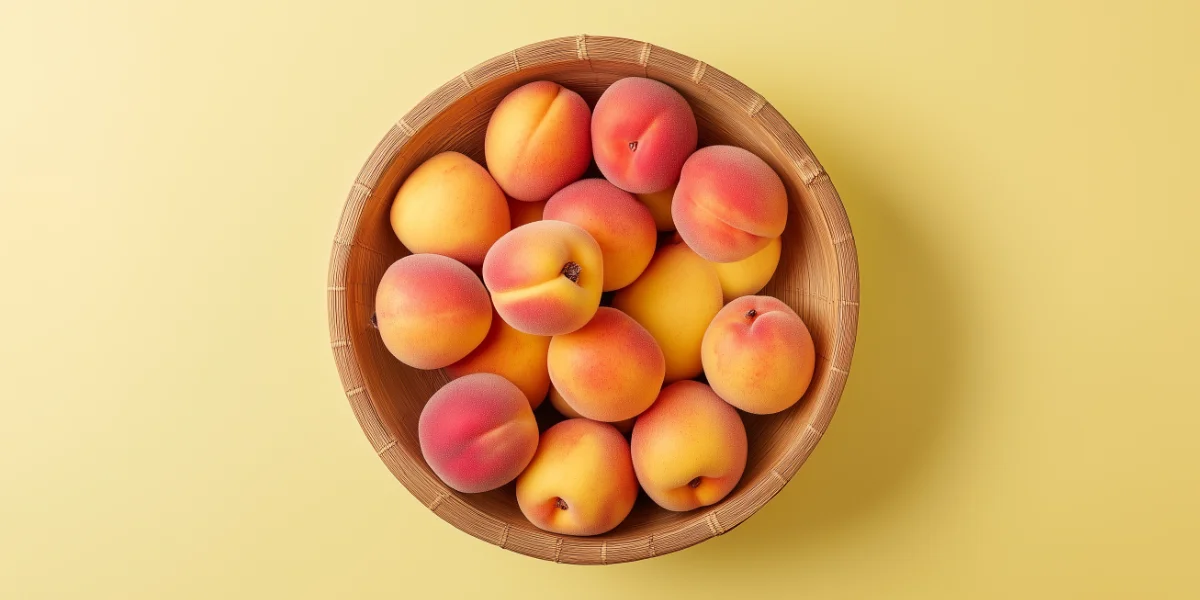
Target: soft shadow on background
900 396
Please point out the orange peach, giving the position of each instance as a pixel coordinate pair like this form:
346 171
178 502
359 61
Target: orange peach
431 310
729 203
659 204
749 275
758 355
610 369
620 224
689 449
538 140
545 277
674 299
477 432
642 132
581 479
564 409
524 213
451 206
518 357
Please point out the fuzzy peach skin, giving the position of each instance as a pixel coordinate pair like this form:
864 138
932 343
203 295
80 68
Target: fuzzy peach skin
729 203
608 370
642 132
431 310
689 449
674 299
659 204
545 277
564 409
538 140
619 223
524 213
749 275
477 432
581 480
451 206
758 355
518 357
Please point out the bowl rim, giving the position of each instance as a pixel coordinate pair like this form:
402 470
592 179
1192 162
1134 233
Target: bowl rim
704 523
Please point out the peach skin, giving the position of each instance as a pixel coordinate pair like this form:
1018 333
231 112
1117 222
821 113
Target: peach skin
620 224
659 204
608 370
581 479
524 213
642 132
729 203
564 409
674 299
518 357
689 449
477 432
431 310
545 277
749 275
538 140
758 355
451 206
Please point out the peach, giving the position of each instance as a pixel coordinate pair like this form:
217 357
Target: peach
758 355
564 409
524 213
620 224
642 132
538 140
545 277
477 432
610 369
451 206
749 275
581 479
689 449
518 357
674 299
659 204
431 310
729 203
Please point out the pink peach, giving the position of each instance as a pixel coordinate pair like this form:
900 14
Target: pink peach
642 132
620 224
729 203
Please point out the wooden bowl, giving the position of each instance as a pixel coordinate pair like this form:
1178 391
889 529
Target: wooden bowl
817 276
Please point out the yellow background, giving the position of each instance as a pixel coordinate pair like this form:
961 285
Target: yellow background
1020 420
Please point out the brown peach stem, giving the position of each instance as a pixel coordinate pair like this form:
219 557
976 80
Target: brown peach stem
695 483
633 146
571 271
560 503
752 313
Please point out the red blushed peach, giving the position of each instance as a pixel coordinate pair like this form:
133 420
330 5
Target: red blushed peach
564 409
524 213
610 369
518 357
451 206
729 203
689 449
581 480
545 277
620 224
477 432
431 310
758 355
538 140
642 132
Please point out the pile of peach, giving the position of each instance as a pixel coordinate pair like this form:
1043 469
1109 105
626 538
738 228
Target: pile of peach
526 282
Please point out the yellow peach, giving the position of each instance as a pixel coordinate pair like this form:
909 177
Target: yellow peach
749 275
619 223
524 213
518 357
564 409
659 204
538 140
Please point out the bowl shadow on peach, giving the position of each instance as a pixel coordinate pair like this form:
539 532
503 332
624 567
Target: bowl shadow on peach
900 396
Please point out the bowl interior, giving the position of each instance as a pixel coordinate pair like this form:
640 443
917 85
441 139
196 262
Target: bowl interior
808 279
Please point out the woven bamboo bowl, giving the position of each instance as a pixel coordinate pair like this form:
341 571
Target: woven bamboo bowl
817 276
